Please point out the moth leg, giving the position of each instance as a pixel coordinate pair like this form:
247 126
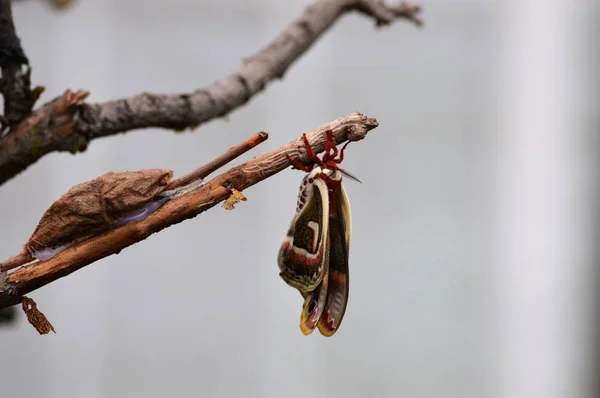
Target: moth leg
327 150
298 165
341 158
330 146
309 151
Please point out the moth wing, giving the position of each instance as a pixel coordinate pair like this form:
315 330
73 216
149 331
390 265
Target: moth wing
302 256
340 231
314 302
346 216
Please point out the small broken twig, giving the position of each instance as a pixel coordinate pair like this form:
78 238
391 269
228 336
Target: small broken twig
352 127
234 198
36 317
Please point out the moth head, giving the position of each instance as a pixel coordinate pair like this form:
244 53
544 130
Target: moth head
329 171
334 172
328 164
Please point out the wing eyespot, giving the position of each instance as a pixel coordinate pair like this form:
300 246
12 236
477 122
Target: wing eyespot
312 306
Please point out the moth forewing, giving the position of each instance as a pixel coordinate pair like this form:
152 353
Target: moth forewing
302 256
340 231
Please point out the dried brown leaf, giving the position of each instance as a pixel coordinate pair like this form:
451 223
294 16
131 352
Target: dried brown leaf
235 197
36 317
93 206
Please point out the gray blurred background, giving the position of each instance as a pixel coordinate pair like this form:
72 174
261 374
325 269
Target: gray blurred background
473 253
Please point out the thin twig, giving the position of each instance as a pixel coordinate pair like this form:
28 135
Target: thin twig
352 127
29 141
214 165
21 258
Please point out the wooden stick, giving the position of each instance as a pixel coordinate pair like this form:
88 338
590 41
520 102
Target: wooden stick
212 166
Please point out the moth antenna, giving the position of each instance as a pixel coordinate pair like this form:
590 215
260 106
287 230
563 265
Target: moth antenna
297 164
350 176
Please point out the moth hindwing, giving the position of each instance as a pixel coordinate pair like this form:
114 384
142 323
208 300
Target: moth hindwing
314 255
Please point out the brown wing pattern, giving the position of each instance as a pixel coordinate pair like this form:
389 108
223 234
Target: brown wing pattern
340 228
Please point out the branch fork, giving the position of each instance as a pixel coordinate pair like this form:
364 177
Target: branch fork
38 135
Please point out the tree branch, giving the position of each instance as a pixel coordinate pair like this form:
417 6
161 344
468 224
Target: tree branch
83 122
13 286
15 84
179 186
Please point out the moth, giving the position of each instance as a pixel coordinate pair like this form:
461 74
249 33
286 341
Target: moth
314 255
